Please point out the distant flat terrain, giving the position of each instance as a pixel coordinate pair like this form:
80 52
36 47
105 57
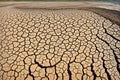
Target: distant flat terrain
59 41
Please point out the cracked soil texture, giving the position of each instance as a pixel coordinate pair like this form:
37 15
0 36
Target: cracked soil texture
58 44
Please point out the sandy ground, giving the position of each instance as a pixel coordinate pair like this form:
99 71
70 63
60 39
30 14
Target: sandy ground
107 5
106 9
59 41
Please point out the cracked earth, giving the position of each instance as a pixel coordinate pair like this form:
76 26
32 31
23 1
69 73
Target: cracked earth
58 44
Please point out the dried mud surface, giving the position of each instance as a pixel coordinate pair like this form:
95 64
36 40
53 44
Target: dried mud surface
59 43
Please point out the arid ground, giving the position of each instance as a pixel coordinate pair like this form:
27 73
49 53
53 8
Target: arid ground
59 41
